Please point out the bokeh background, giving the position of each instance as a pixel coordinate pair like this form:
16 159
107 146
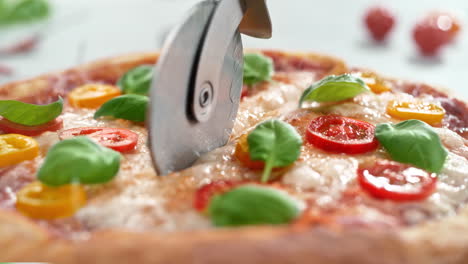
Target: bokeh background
84 30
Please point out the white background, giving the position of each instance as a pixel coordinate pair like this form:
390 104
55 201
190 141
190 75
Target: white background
83 30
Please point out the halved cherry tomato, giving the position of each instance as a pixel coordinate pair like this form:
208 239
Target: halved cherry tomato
396 181
92 95
9 127
204 194
15 148
341 135
427 112
118 139
243 155
37 200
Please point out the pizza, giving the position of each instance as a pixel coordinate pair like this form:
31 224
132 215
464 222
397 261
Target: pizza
325 164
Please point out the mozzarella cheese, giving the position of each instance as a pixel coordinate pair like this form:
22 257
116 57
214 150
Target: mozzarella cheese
138 199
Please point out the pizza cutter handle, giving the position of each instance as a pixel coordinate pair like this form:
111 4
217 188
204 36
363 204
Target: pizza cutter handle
256 21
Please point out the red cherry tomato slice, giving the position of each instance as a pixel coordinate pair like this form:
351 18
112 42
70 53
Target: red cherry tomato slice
118 139
340 134
245 92
204 194
13 128
395 181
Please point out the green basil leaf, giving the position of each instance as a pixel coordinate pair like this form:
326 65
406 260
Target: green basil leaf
275 142
334 89
257 68
23 11
3 11
78 160
130 107
137 80
30 114
413 142
252 205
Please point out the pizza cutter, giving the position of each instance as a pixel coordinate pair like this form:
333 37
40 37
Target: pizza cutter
197 81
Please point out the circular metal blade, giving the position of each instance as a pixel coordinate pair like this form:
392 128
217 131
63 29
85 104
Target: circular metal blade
176 140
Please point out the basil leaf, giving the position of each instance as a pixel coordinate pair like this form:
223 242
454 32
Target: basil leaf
137 80
23 11
130 107
413 142
78 160
275 142
257 68
30 114
252 205
334 89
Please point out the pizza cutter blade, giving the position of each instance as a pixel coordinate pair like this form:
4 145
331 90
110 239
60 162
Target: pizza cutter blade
197 81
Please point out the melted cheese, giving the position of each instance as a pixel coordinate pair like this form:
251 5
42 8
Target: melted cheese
139 200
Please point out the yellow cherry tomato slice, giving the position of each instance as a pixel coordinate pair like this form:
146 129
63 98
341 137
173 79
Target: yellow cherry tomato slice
37 200
427 112
243 155
375 83
15 148
378 87
92 95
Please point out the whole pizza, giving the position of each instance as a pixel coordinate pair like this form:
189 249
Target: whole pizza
325 164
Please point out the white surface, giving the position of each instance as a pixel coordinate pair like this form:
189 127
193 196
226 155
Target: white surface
84 30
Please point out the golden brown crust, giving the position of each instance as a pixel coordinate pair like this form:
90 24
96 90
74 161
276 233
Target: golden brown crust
244 245
48 86
21 240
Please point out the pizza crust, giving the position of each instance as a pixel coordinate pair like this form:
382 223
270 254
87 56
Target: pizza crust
443 241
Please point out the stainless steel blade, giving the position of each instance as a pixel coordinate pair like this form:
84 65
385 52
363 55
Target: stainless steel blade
218 37
176 138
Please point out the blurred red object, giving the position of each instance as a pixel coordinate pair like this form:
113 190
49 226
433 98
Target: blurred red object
445 21
22 46
5 70
379 22
435 31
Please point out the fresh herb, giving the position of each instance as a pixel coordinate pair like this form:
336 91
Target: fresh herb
30 114
130 107
334 89
257 68
276 143
137 80
413 142
79 160
23 11
252 205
